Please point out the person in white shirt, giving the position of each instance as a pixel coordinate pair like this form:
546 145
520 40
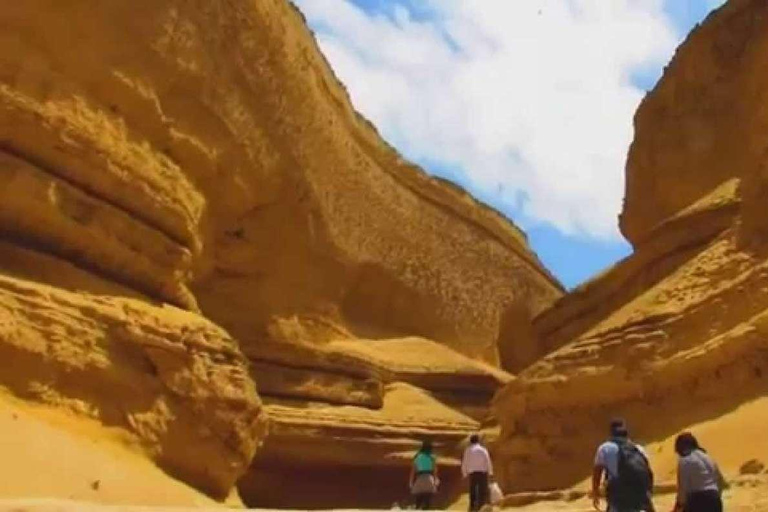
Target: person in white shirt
476 465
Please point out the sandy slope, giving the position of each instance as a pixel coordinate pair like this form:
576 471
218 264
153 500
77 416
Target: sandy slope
742 499
733 439
48 505
51 454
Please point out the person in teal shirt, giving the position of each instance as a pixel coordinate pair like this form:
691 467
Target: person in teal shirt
423 479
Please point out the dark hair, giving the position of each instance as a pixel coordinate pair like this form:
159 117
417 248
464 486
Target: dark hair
474 439
619 428
686 443
426 447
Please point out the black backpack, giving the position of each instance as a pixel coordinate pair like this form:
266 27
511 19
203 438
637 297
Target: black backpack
634 482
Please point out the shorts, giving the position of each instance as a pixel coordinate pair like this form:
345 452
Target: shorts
425 483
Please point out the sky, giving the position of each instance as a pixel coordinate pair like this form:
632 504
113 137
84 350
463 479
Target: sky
527 104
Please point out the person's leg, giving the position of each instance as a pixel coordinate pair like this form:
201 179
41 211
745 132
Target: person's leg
483 491
473 492
419 499
705 501
718 502
691 502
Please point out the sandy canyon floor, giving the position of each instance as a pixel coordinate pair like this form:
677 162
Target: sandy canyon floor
48 454
743 499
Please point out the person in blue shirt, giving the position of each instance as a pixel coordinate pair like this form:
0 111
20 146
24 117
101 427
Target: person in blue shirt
629 492
424 481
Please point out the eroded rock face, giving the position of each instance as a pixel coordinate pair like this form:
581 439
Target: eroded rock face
702 124
355 413
171 378
247 179
676 333
203 155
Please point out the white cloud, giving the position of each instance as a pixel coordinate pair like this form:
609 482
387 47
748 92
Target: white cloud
531 100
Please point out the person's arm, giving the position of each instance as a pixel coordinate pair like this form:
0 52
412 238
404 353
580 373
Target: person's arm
412 477
722 485
650 468
489 463
434 472
651 507
597 478
598 469
681 489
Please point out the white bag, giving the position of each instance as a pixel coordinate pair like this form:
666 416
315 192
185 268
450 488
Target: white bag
495 493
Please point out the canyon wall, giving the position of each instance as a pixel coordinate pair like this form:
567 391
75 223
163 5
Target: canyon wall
192 210
677 333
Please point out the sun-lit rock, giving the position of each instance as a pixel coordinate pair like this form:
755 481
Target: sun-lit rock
191 210
674 336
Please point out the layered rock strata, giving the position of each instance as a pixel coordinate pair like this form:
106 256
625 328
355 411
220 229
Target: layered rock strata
354 411
676 333
241 180
170 378
186 187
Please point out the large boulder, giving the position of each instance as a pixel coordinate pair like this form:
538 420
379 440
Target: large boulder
176 382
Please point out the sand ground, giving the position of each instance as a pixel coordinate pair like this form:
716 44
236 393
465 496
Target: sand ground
748 499
48 454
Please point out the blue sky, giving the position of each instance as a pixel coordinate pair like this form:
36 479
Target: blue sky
526 104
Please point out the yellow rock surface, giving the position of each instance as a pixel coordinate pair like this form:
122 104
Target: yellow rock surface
358 415
701 125
190 206
734 437
169 377
674 336
268 195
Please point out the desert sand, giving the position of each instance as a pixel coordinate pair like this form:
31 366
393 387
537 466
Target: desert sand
48 453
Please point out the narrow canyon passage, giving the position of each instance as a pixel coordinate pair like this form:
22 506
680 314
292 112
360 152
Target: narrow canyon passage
219 286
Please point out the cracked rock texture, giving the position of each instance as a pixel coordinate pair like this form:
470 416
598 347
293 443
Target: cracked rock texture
171 378
190 209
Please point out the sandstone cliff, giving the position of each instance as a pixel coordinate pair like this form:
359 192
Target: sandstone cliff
675 335
240 180
191 205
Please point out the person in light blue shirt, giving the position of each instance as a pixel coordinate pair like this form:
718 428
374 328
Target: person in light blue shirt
628 492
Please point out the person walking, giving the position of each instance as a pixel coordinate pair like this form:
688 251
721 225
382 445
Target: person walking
699 481
627 471
476 465
423 480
